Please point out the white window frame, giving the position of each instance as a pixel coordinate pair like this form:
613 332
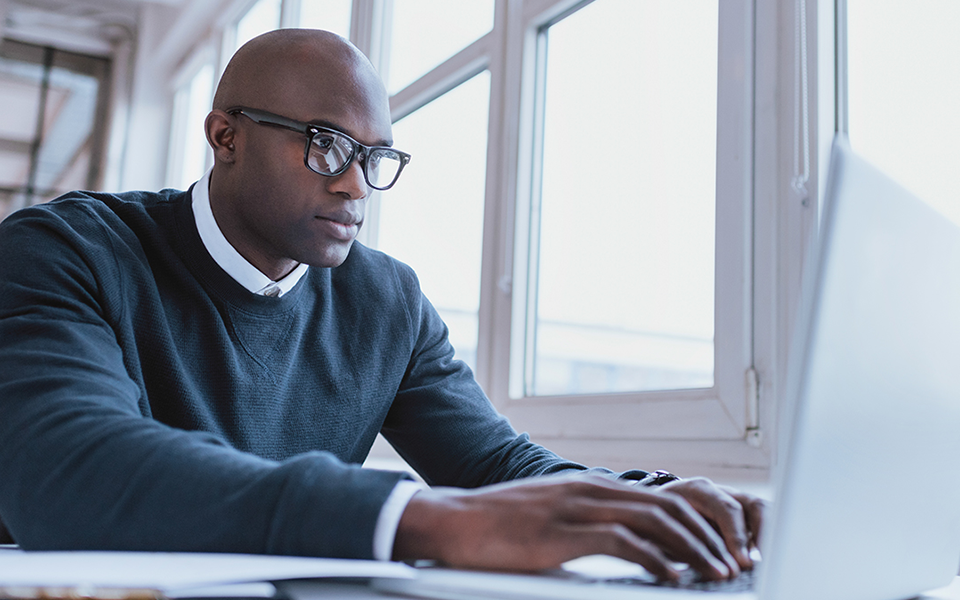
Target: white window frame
787 219
572 424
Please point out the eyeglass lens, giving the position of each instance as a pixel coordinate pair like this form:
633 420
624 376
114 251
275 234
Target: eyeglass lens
329 153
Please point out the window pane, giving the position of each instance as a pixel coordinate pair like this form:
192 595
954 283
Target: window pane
625 295
332 15
71 108
21 98
432 219
262 17
904 90
69 136
427 32
197 103
20 86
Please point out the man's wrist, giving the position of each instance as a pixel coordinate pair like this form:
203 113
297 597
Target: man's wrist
426 529
385 532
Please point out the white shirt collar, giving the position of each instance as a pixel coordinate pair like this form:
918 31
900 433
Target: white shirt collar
227 256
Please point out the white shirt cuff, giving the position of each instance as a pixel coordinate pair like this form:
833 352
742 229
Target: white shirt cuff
389 519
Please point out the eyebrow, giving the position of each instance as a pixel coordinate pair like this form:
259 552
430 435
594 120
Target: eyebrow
335 127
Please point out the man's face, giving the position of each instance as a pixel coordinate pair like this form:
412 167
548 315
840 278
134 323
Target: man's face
286 212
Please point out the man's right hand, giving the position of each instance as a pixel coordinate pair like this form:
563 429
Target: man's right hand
539 523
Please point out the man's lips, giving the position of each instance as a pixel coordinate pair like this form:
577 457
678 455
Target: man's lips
342 227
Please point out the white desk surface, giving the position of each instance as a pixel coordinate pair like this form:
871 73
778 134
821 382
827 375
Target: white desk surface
305 590
318 589
951 592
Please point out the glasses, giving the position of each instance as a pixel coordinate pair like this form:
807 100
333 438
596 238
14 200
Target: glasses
329 152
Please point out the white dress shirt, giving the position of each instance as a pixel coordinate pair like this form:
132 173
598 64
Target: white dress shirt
247 275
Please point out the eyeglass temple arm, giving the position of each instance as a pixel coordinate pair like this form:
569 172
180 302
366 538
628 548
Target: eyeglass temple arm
274 120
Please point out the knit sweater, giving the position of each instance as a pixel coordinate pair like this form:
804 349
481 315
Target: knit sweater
148 401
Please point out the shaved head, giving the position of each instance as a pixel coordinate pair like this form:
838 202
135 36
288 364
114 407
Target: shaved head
295 64
273 209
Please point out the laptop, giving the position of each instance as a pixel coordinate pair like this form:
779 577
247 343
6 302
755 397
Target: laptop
868 483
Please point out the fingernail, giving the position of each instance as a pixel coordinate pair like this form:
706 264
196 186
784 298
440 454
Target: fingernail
723 570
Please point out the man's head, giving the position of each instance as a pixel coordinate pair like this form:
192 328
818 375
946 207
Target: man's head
269 205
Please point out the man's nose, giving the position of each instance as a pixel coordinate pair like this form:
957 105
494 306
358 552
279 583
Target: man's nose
351 183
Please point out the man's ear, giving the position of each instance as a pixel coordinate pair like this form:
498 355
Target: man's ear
221 135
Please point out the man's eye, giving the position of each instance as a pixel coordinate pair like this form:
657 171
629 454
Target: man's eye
324 142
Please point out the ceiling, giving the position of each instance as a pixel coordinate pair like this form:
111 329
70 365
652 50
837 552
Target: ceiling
90 26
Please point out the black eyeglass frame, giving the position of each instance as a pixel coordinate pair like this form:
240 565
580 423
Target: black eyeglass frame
360 151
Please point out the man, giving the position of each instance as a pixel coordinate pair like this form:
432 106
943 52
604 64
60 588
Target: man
204 370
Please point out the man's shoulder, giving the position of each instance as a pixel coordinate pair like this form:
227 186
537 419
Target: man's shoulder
93 228
78 209
123 203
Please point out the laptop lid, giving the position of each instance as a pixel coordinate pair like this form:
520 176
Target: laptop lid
868 498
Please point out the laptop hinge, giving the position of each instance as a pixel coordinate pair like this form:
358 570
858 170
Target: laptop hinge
752 388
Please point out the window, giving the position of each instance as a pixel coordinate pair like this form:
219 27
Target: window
332 15
261 18
190 155
623 264
433 217
903 82
425 33
631 262
51 131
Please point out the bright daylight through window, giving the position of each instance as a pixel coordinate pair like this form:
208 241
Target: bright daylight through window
624 293
432 218
427 32
903 63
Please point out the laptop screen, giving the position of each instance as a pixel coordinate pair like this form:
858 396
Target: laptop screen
868 500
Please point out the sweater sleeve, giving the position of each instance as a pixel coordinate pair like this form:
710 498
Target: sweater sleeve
82 468
444 425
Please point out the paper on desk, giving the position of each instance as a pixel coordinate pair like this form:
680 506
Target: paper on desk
168 572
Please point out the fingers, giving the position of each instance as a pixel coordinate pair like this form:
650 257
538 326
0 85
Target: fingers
755 514
754 510
679 507
621 542
736 516
693 522
672 525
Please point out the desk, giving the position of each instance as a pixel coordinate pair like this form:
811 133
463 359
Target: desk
180 575
310 590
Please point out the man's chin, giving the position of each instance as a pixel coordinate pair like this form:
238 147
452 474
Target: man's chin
329 257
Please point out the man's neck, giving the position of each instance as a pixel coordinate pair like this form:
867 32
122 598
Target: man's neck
252 272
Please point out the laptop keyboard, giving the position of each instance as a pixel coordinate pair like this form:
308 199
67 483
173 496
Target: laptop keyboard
746 582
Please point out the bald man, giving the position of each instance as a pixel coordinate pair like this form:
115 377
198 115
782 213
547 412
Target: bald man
205 370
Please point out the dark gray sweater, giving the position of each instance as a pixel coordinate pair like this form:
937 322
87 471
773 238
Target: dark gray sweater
148 401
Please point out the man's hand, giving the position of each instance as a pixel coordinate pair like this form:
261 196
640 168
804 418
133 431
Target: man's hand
540 523
737 516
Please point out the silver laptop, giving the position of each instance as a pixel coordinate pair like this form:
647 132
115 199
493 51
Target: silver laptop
868 485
